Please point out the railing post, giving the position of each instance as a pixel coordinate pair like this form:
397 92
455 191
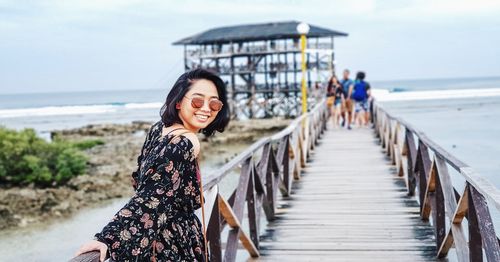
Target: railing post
488 238
411 160
238 208
213 234
439 206
253 217
388 140
475 242
286 165
422 168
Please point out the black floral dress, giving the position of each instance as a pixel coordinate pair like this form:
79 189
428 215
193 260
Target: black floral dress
158 223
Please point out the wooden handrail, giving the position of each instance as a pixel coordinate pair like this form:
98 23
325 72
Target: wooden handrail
438 197
484 186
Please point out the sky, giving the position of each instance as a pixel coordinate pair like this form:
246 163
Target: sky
78 45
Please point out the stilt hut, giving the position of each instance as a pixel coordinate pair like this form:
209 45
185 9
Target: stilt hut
261 64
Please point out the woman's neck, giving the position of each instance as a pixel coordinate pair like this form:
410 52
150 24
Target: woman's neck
176 125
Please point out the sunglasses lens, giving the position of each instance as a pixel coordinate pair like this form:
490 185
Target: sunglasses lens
215 105
197 102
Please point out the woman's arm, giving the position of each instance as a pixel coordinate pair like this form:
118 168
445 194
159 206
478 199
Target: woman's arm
134 228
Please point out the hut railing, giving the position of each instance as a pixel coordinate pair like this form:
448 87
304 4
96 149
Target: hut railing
268 166
229 50
409 149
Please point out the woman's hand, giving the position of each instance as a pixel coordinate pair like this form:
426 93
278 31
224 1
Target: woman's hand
91 246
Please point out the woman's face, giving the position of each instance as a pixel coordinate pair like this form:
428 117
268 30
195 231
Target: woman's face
193 118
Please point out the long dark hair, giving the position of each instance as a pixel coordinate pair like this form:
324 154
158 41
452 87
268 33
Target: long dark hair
170 114
331 88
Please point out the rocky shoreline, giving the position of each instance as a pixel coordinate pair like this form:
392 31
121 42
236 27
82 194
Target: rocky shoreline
109 168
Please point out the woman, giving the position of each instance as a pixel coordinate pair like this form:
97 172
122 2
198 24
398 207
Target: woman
330 92
333 99
337 104
158 223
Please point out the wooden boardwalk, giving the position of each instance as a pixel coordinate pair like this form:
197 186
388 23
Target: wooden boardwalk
348 206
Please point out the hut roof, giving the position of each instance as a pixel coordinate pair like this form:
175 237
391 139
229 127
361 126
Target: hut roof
255 32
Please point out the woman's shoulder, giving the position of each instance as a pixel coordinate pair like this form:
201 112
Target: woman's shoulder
187 142
195 142
155 130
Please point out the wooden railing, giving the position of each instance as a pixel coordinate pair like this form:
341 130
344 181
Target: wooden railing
281 158
268 166
425 164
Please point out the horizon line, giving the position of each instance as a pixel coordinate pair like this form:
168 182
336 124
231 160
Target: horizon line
144 89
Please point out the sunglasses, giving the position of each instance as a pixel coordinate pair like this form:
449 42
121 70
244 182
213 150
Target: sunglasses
214 104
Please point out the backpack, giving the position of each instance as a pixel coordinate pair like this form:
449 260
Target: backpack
360 93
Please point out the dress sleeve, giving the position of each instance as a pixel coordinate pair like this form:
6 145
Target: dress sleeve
135 174
133 229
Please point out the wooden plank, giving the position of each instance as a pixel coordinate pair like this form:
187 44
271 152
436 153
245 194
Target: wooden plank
430 188
463 206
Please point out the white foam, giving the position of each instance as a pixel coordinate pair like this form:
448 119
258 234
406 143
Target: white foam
57 110
385 95
143 105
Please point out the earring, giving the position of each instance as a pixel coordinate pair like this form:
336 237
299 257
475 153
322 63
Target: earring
177 106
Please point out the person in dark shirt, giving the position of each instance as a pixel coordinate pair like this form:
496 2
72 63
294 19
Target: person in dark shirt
334 99
330 90
337 105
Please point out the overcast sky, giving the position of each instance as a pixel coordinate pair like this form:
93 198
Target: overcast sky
50 46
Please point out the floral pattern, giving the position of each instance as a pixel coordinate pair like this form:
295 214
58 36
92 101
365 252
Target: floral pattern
158 223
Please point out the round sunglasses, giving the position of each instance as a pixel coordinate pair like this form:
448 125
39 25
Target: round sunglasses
214 104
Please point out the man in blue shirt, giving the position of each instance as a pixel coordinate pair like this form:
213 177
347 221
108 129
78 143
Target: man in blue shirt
360 95
347 86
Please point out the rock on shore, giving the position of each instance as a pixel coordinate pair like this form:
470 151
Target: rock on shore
110 166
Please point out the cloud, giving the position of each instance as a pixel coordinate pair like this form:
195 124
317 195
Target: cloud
106 13
124 36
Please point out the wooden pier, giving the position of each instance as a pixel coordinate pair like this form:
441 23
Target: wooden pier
372 194
350 205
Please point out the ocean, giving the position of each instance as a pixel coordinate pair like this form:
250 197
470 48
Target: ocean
54 111
461 115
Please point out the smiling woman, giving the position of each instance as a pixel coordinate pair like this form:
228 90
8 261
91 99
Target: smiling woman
158 223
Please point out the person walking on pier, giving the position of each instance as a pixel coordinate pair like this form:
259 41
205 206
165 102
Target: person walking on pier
330 93
159 223
360 95
347 106
336 99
